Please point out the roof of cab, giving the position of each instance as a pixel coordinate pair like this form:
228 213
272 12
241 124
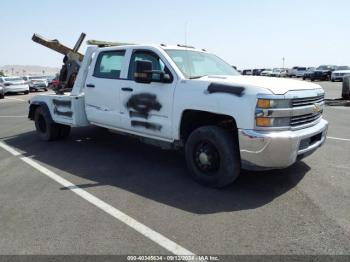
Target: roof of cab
157 46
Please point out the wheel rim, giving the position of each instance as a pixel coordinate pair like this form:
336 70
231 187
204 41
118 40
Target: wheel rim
206 157
42 124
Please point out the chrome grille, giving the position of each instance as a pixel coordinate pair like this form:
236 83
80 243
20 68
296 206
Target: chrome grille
307 101
304 119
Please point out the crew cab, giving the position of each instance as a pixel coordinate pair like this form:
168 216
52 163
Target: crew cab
180 97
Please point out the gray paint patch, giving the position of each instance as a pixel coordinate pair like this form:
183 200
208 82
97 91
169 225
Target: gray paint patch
60 113
63 103
222 88
146 125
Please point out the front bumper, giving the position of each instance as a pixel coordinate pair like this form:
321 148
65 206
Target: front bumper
279 149
338 78
37 86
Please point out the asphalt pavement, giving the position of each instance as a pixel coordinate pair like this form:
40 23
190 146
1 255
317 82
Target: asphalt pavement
127 198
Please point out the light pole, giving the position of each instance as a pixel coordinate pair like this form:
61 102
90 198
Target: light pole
283 61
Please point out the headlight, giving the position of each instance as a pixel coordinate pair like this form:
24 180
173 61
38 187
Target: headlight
273 103
263 116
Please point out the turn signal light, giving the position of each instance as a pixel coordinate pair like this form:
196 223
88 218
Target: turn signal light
264 103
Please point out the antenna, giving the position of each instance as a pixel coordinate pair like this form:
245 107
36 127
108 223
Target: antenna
186 31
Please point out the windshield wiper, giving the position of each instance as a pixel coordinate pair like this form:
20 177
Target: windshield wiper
196 77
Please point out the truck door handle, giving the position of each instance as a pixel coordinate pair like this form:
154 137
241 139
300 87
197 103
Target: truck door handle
127 89
90 85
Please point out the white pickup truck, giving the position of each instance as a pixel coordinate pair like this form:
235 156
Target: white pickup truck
182 97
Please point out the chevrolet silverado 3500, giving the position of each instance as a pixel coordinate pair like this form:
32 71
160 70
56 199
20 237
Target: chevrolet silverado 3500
182 97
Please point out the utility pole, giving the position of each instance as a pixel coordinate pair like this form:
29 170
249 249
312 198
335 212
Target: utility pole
283 61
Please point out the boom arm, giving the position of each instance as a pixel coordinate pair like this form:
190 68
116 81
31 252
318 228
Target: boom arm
58 47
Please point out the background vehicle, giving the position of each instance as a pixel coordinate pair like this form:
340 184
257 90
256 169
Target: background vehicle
308 73
292 71
14 85
278 72
340 73
266 72
257 72
36 82
247 72
2 93
300 71
181 97
323 73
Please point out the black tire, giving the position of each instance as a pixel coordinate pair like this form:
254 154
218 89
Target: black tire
221 153
2 96
64 131
47 130
45 89
26 92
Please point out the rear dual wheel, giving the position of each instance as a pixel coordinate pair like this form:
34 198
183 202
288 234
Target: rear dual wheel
46 129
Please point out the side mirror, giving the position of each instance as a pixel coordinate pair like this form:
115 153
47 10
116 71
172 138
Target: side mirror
143 71
166 79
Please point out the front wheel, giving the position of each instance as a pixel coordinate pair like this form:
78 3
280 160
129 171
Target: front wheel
212 156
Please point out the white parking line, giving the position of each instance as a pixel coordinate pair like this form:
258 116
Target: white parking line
11 116
119 215
16 99
338 138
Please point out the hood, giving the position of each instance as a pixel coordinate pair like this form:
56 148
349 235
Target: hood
342 71
278 86
322 71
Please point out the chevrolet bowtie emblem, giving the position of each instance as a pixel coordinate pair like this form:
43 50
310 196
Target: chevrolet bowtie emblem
317 108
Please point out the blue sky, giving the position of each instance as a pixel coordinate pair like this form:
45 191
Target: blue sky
246 33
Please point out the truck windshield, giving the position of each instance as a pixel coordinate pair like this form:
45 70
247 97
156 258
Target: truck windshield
195 64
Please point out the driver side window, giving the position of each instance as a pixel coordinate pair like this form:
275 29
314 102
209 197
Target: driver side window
157 64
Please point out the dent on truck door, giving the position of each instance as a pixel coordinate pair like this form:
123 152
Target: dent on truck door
146 108
102 89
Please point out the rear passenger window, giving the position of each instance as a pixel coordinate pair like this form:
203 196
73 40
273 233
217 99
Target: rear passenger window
109 64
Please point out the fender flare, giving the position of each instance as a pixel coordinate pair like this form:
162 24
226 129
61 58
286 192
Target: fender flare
34 105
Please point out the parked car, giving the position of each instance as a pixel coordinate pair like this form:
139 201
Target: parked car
2 92
300 71
14 85
247 72
340 73
323 73
266 72
279 72
49 79
257 72
308 73
292 72
36 82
